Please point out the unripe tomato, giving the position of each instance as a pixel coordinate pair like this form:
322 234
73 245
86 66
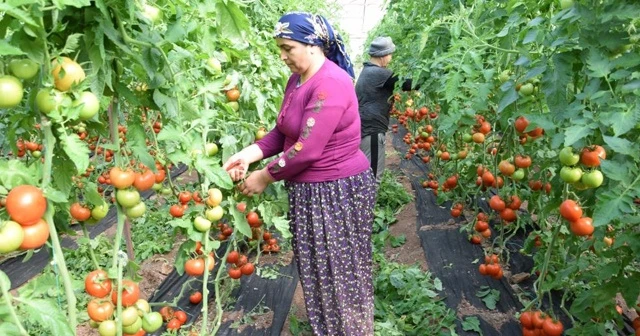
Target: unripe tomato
11 91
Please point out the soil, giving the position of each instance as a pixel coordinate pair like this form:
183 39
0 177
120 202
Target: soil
493 317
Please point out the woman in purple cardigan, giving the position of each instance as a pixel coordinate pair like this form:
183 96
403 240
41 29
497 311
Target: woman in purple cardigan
331 187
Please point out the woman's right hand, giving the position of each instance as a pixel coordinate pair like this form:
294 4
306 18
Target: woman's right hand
236 166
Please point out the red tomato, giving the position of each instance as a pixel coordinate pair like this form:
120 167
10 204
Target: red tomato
100 310
35 235
130 293
26 204
97 283
195 298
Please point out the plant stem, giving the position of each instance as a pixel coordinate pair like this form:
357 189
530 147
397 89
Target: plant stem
91 253
58 257
12 313
221 268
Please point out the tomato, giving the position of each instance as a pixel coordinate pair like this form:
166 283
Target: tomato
570 210
160 176
174 324
97 284
90 105
128 197
134 327
211 149
195 298
100 211
144 181
167 313
514 203
526 89
180 316
201 224
568 157
35 235
260 133
233 95
481 226
508 215
129 316
570 174
504 76
48 100
108 328
591 156
26 204
235 273
254 219
592 179
136 211
521 124
100 310
213 65
121 179
79 212
525 320
184 197
233 257
194 267
552 328
247 269
214 214
151 322
496 203
266 236
522 161
518 174
211 262
142 306
152 13
176 211
23 68
215 197
582 227
11 91
67 73
564 4
242 207
11 236
506 168
130 293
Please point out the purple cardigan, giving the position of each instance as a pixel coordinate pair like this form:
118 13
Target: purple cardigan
318 130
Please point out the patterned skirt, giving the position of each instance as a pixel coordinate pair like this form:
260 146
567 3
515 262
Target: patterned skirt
331 224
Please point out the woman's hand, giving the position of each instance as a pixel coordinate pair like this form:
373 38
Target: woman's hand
255 183
236 166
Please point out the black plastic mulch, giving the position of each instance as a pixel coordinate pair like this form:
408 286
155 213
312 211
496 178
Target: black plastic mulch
20 272
254 295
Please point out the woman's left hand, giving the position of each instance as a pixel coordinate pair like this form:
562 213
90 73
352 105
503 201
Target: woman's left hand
255 183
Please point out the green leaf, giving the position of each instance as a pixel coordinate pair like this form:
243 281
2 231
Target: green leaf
397 279
74 3
282 225
77 151
170 132
72 44
229 147
576 132
213 172
620 145
7 49
397 241
452 87
55 196
63 170
489 296
615 170
599 65
48 315
91 194
14 173
232 22
142 153
555 81
471 323
509 98
611 205
17 13
239 219
9 329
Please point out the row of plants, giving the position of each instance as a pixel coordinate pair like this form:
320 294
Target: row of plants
99 102
534 105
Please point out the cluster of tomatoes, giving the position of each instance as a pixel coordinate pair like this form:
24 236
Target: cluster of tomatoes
175 318
589 158
240 265
521 124
491 267
537 323
270 243
481 226
25 205
136 318
213 213
578 224
34 148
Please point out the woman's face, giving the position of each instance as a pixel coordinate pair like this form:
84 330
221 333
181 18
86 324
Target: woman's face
296 55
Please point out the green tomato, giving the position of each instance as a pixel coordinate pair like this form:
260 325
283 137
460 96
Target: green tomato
213 65
11 91
154 14
142 306
133 328
136 211
214 214
129 316
48 100
564 4
99 211
165 191
36 154
23 68
211 149
90 105
93 324
201 224
107 328
234 105
592 179
156 186
151 322
526 89
467 137
11 236
568 157
128 197
504 76
570 175
518 175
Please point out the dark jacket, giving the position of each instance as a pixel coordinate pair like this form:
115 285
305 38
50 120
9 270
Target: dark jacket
374 89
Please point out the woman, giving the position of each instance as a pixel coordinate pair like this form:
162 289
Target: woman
331 188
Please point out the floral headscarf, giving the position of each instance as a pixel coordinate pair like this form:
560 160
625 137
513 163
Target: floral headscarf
315 30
